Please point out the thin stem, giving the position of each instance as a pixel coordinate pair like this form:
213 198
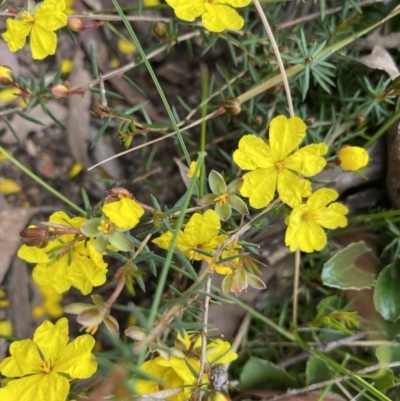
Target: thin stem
204 332
296 285
41 182
277 55
117 291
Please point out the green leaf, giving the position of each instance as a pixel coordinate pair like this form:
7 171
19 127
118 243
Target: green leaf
317 370
341 272
258 373
387 295
217 183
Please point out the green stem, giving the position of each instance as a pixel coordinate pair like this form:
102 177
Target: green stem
167 263
41 182
395 117
204 95
155 80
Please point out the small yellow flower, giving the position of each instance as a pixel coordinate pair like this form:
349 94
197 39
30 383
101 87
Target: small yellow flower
352 158
69 7
43 365
149 3
201 232
51 303
126 47
306 222
5 328
40 23
192 169
7 95
175 373
216 15
8 187
81 267
276 165
125 213
66 66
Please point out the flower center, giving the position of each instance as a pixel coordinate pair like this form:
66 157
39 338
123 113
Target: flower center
310 217
45 367
105 227
280 165
222 199
26 17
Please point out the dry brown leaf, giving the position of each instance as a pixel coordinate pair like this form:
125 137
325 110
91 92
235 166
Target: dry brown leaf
78 112
390 41
380 59
23 127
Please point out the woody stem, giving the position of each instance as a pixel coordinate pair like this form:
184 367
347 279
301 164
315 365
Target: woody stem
296 285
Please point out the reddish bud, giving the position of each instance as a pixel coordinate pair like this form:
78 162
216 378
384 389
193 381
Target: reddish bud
37 237
60 91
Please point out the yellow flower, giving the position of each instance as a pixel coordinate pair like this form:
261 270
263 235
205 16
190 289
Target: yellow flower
5 328
276 165
7 95
306 222
45 365
201 232
40 23
51 303
352 158
149 3
126 46
8 186
216 15
125 213
66 66
175 373
81 266
192 169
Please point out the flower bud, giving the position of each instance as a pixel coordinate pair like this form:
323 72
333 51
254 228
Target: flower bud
75 24
352 158
6 75
216 395
160 29
232 106
60 91
309 121
37 237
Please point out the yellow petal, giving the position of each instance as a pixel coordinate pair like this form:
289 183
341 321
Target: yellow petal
9 94
77 360
253 152
54 275
24 359
52 338
188 11
320 198
307 161
304 235
292 189
164 240
202 228
332 216
84 274
259 186
125 213
149 3
234 3
219 17
8 186
285 135
352 158
50 15
218 351
43 43
63 219
74 170
16 34
38 387
32 254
